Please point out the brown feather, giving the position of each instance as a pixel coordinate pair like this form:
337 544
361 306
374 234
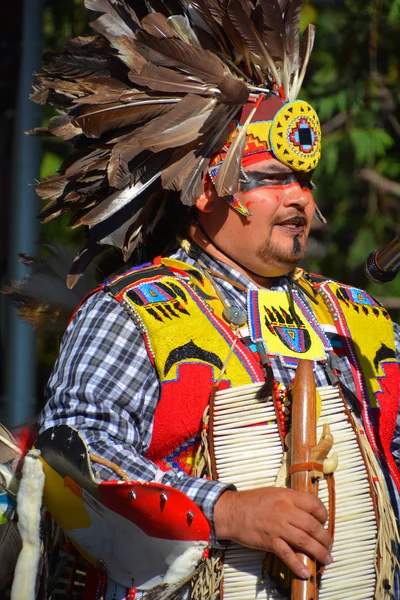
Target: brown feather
213 8
98 90
52 187
95 121
118 18
193 182
96 84
122 153
306 46
292 23
227 181
103 97
283 4
162 79
182 125
173 175
71 88
172 52
94 160
128 54
156 25
117 236
234 91
39 95
182 28
186 173
80 63
114 203
236 41
61 126
242 22
211 14
273 31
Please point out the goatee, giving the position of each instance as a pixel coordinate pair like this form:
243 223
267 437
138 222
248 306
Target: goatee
296 245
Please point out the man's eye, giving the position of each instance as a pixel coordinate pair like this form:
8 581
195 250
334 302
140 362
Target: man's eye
277 179
272 180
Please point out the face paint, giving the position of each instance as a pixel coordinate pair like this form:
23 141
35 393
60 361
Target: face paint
296 245
257 179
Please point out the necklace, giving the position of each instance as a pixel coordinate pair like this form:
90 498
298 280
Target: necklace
235 316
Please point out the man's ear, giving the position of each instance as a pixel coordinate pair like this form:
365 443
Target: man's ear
205 203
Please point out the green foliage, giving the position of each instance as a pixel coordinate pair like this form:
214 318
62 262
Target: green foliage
354 85
63 20
394 13
369 144
51 162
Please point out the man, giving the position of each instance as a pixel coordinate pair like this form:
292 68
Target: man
270 244
244 236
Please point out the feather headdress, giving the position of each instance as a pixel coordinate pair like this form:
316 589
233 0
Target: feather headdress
147 103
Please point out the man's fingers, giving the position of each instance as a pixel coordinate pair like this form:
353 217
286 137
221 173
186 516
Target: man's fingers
302 542
285 553
311 526
312 505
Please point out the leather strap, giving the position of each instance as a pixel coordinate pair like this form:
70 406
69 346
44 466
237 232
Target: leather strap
305 466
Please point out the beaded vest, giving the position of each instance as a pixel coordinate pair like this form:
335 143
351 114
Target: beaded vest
180 317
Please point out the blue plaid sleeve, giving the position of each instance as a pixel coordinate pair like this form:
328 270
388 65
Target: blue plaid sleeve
104 384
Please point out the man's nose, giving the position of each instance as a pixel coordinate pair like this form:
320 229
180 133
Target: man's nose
295 195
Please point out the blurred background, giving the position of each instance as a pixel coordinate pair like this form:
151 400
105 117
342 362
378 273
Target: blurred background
353 82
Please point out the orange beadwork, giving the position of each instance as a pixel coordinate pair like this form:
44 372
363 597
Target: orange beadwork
181 459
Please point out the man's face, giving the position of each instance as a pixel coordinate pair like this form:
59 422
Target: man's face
273 240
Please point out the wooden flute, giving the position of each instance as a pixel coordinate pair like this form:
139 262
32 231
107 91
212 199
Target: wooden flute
303 440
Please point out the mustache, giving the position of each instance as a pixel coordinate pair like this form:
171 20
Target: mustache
297 218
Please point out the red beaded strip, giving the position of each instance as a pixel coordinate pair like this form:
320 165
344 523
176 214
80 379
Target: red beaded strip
280 396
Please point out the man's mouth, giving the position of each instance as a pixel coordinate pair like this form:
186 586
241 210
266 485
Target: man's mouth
295 225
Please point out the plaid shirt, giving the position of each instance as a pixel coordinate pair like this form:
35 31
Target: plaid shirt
104 384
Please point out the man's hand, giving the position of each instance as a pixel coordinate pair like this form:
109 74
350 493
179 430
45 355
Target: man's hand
274 519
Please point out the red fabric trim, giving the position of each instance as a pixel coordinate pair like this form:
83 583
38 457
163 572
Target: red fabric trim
390 384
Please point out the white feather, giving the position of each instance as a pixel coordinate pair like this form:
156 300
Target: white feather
29 502
185 564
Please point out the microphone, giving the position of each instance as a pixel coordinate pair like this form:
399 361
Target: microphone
382 265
